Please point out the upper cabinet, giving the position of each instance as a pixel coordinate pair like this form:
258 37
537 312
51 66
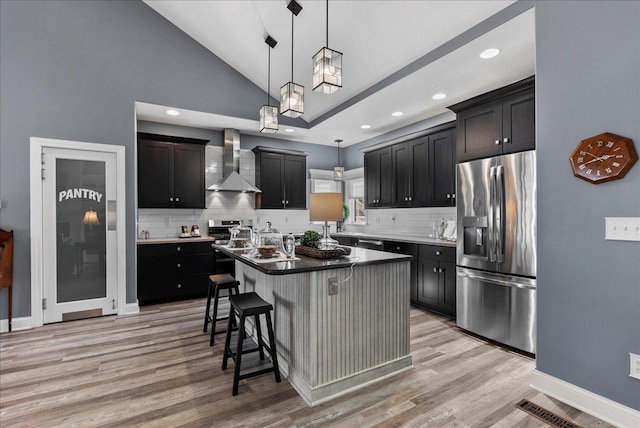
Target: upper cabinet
414 173
281 175
170 172
377 178
496 123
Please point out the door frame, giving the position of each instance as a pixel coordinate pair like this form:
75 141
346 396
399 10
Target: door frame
35 195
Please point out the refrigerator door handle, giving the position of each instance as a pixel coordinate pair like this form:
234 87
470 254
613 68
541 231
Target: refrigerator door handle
499 214
502 282
492 213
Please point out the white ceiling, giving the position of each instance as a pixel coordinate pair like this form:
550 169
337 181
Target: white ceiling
377 39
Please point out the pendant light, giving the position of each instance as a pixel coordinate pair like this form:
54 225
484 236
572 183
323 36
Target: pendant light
269 113
338 171
327 67
292 94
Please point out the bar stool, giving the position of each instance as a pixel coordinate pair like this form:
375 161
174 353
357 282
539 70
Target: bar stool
246 305
218 282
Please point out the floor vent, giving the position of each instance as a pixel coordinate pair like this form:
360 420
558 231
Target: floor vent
545 415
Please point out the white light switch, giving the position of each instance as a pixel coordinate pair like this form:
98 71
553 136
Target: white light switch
622 228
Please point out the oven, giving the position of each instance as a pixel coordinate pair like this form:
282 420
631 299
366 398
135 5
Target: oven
219 229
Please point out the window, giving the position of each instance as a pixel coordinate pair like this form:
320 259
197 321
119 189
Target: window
354 197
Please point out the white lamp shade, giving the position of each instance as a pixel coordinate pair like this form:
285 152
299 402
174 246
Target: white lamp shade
327 71
325 207
268 119
90 217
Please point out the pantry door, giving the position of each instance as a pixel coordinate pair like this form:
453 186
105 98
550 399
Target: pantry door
79 222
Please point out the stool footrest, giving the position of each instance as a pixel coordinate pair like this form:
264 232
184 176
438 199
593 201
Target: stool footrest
256 373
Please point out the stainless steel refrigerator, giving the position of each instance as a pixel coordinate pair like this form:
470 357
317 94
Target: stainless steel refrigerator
496 250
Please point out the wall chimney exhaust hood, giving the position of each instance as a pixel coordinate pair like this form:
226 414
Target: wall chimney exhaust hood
231 180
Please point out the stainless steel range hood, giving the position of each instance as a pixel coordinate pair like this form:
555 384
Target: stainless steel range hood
231 180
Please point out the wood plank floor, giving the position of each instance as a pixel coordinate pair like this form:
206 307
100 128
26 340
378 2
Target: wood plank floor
156 369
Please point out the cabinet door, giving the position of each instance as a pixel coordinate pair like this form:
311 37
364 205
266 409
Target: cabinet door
428 287
189 176
479 129
155 174
272 180
400 179
519 122
442 168
295 181
371 179
419 172
447 288
386 177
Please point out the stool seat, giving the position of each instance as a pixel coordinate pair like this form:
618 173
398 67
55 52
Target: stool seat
249 305
217 282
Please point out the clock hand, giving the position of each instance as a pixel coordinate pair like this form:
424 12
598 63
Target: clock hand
592 160
592 155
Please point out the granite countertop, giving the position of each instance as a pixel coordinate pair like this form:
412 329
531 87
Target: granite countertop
175 240
359 256
400 238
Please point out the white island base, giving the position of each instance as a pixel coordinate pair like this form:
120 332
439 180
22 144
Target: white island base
331 345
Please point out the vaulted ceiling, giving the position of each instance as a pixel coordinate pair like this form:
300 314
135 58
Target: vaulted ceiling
397 55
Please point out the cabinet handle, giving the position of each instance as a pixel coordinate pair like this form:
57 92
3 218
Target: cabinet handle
448 195
406 199
398 248
179 265
505 140
178 248
171 199
497 142
287 202
441 270
435 270
179 285
438 253
410 198
177 199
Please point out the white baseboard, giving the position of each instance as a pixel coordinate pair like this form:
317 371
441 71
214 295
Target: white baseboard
594 404
23 323
131 308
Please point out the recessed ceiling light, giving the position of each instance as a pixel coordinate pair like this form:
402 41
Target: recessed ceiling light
397 114
289 130
439 96
365 126
489 53
173 112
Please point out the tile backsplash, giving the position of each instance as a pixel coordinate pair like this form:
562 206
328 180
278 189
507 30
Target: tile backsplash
165 223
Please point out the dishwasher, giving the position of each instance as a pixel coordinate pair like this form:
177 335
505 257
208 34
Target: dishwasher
371 244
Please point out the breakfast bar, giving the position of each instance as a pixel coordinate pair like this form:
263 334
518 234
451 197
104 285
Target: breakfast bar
330 343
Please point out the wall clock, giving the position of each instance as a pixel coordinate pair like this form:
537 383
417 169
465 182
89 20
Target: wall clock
603 158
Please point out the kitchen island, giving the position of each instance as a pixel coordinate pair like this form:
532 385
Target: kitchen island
331 344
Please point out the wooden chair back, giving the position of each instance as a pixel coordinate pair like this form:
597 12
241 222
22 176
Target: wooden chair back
6 258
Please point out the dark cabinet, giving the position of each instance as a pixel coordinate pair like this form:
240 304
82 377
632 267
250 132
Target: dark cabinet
409 249
422 171
436 288
170 174
496 123
174 271
282 177
377 178
410 162
442 164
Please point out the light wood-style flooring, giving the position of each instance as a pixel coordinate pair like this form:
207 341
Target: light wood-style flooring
156 369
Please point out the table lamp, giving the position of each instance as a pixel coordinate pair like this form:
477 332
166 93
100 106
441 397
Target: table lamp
326 207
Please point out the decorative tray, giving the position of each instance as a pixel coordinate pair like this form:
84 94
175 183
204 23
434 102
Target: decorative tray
323 254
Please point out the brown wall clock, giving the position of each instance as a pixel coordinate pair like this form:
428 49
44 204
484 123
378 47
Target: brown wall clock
603 158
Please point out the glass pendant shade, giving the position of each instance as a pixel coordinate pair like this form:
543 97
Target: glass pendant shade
327 71
292 100
268 119
338 173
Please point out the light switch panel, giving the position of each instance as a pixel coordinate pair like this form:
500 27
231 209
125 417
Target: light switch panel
622 228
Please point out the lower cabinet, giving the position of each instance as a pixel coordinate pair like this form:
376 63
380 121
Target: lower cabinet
174 271
436 289
410 250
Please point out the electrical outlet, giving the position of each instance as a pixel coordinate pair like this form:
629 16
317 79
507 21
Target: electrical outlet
622 228
634 365
333 286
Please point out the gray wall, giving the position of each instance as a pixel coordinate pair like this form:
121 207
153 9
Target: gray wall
588 82
72 71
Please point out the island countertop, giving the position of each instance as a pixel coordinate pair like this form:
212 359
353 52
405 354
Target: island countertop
358 256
